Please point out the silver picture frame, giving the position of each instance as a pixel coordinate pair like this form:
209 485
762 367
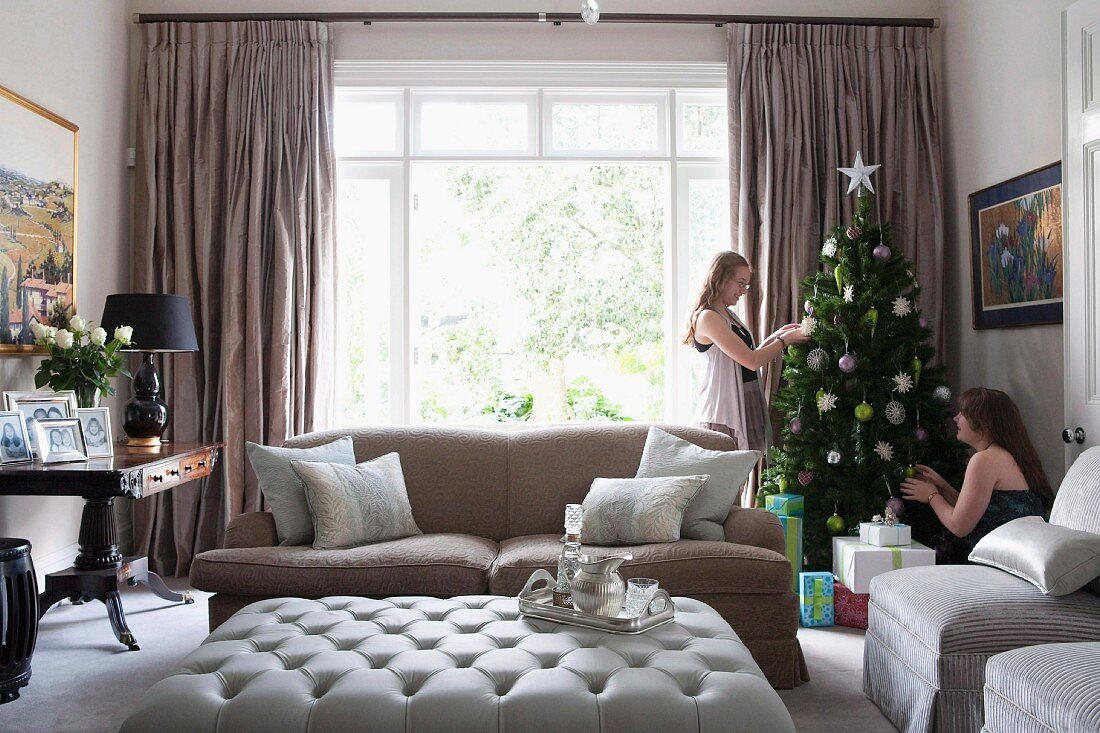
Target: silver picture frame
29 403
60 440
98 438
15 444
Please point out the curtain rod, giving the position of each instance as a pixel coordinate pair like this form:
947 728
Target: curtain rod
554 18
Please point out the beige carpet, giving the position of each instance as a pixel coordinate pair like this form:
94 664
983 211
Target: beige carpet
86 682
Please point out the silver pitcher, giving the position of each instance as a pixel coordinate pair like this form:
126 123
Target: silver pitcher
598 588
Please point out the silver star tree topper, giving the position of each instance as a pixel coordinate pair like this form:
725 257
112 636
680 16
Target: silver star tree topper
860 174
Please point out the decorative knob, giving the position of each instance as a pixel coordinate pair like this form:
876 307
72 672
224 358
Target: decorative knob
188 468
1067 436
173 472
1079 435
202 464
157 477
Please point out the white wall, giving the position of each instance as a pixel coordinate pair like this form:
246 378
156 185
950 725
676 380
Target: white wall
69 56
1002 101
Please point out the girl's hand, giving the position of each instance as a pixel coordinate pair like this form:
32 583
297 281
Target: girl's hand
918 489
929 474
792 334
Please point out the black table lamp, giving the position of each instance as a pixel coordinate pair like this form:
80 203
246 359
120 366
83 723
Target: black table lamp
162 324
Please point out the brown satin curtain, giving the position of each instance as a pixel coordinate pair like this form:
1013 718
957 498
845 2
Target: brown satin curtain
234 209
802 100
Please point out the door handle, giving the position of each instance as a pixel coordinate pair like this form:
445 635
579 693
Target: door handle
1074 436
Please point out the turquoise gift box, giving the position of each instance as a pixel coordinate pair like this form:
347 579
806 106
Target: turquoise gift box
815 598
786 505
792 544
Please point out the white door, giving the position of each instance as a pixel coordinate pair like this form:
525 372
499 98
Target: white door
1081 216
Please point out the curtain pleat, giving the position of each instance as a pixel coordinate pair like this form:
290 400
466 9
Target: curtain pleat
234 209
802 100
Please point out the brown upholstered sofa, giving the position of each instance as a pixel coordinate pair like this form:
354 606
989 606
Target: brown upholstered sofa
490 504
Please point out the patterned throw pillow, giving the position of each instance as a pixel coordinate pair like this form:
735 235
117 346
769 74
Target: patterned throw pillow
666 455
637 511
357 505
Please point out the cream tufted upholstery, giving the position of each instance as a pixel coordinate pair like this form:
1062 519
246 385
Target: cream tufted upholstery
465 664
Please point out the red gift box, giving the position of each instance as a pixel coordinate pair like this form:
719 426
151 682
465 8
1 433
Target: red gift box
850 608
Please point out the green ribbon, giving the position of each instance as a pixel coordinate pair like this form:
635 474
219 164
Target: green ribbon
895 557
819 599
792 537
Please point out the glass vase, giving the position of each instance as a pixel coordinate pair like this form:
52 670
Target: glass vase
87 394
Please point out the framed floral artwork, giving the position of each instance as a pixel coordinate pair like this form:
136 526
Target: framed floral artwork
1016 250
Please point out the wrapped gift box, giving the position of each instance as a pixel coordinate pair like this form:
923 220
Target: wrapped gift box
850 609
855 562
785 505
883 535
792 543
815 598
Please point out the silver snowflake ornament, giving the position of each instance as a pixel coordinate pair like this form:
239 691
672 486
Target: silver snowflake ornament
816 359
809 323
826 401
902 308
885 450
895 412
849 293
902 382
829 248
942 394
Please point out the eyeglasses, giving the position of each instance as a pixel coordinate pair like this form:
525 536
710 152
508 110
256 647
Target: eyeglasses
743 285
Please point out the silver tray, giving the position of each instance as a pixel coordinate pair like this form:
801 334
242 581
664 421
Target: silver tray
539 603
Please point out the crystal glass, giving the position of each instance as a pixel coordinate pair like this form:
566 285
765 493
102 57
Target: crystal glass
639 591
574 518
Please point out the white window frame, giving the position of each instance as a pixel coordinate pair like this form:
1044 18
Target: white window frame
527 97
419 81
605 97
684 98
397 97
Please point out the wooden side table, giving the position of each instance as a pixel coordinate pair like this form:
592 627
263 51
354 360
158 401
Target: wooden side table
99 567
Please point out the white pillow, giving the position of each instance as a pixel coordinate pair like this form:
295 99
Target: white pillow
1056 560
637 511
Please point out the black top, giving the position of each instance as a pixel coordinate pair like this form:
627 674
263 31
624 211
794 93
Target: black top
747 375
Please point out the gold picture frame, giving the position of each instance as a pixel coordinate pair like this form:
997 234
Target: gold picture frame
38 215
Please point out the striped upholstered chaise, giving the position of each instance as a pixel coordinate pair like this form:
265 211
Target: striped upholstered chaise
931 630
1045 688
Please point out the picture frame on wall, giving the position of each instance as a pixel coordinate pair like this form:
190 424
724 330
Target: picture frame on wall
15 444
60 440
40 405
96 423
1016 250
37 221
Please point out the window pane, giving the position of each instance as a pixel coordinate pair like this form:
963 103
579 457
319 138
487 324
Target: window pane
708 226
474 126
366 127
705 129
537 292
604 126
363 302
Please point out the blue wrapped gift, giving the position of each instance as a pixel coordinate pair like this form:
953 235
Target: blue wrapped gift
815 598
786 505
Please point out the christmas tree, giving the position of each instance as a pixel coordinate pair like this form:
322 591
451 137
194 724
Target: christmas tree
862 403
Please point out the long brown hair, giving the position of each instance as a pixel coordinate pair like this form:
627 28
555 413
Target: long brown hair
721 269
994 414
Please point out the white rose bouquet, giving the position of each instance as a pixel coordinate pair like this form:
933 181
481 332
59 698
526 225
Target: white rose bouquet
81 359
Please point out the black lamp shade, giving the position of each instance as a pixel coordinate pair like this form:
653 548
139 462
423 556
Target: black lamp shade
161 323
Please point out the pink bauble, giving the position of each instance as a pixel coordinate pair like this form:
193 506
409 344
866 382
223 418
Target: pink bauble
796 425
805 477
808 307
847 363
923 322
920 434
838 320
881 252
854 232
896 505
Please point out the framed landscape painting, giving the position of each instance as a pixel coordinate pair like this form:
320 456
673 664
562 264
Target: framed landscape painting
1016 250
38 156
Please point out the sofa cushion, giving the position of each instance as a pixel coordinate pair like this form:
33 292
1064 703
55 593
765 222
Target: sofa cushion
631 511
356 505
1049 687
1056 560
666 455
683 568
282 488
434 565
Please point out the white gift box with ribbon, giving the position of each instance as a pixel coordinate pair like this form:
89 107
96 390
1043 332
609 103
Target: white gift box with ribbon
855 562
885 535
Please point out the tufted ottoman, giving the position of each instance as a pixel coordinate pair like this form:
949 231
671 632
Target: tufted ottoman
470 663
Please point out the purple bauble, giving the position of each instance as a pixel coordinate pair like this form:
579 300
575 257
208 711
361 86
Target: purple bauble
838 320
847 363
923 322
796 425
854 232
896 505
808 307
920 434
881 252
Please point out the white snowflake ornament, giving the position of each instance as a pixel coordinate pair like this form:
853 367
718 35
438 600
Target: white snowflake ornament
902 382
826 401
809 323
885 450
829 248
895 412
902 308
849 293
816 359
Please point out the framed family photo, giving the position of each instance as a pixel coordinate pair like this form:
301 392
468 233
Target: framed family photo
14 443
39 405
1016 250
60 440
96 424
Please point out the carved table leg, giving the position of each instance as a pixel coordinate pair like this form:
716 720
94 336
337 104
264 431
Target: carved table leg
98 536
118 620
139 573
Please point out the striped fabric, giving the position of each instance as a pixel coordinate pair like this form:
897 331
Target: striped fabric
1044 689
932 629
1077 503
